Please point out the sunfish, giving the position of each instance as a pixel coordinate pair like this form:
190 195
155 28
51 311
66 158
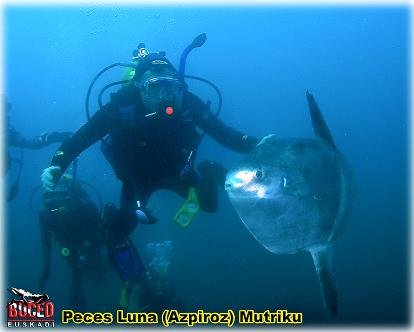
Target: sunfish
296 194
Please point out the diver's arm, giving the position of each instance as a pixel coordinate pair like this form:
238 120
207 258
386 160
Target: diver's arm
97 127
18 141
226 136
15 139
46 249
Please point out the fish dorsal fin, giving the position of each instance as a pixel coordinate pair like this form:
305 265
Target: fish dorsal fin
320 129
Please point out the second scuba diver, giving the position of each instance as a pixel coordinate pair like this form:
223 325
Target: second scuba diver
73 222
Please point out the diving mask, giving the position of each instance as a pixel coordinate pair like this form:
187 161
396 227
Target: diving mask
162 87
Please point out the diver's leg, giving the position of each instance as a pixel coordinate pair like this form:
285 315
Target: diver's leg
129 196
121 222
134 199
213 171
128 205
122 251
212 175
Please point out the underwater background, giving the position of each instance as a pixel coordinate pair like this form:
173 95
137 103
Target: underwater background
354 60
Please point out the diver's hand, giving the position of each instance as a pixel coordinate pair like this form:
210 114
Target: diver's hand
41 140
50 177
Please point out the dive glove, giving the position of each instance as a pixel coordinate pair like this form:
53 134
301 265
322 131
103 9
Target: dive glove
45 139
41 140
50 176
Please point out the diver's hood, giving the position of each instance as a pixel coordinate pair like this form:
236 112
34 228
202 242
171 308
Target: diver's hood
150 61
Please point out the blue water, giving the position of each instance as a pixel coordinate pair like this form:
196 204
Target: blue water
355 60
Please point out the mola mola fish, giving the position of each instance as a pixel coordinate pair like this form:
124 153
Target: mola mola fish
295 195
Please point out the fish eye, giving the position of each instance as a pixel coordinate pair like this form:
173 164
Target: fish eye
259 174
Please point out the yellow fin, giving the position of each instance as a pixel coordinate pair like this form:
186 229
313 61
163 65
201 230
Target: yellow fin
123 302
188 210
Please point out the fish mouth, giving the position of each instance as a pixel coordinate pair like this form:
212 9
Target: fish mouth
239 180
242 185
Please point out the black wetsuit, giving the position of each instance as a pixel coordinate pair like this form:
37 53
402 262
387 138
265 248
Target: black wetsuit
152 152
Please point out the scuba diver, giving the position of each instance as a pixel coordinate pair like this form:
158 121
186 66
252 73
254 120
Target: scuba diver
16 140
73 222
151 127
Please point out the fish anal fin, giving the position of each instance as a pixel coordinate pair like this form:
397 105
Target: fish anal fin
323 259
